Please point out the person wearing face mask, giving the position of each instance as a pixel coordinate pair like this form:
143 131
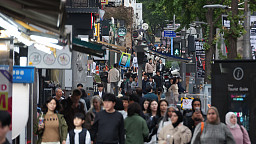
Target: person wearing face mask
239 133
212 131
175 133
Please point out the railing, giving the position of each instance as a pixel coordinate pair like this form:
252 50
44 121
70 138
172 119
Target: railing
205 99
83 3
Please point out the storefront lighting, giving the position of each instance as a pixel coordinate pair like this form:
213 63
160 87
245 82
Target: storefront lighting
43 39
50 42
13 31
43 48
3 47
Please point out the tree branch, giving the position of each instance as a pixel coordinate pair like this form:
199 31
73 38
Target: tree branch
217 19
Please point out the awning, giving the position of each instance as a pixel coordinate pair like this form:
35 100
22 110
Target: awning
88 47
121 48
47 14
169 57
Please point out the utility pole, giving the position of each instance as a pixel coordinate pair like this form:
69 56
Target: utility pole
247 52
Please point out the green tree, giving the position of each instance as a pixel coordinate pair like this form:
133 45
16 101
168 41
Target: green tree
188 11
154 15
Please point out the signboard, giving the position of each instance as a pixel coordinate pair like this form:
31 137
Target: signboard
5 79
23 74
233 89
39 59
186 103
125 60
168 33
135 34
121 31
253 35
145 26
104 2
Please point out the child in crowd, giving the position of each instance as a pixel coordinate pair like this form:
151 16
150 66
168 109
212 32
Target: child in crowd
79 135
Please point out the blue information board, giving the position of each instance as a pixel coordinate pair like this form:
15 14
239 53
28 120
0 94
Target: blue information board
168 33
23 74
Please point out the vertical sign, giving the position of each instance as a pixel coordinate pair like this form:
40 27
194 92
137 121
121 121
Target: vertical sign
171 45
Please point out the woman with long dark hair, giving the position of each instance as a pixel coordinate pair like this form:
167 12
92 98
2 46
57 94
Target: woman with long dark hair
152 118
52 128
145 106
175 133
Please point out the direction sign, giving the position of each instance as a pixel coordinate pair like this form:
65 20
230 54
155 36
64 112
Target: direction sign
121 31
168 33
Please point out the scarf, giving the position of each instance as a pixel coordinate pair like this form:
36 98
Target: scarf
179 120
228 116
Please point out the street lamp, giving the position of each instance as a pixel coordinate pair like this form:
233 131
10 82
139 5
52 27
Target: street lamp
216 6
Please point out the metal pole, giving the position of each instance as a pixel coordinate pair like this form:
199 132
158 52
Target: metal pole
140 68
247 52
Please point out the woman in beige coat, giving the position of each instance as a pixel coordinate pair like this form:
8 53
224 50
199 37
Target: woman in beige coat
175 133
175 89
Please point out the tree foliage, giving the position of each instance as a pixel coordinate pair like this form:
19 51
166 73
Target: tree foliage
154 15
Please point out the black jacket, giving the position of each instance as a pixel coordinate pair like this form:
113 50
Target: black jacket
159 81
69 112
158 67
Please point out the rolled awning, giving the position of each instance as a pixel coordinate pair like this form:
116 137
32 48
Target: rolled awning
88 47
47 14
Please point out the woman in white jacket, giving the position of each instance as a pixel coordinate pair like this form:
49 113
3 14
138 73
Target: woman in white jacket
175 133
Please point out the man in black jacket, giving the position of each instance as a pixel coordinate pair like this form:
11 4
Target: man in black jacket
160 67
70 106
158 80
144 83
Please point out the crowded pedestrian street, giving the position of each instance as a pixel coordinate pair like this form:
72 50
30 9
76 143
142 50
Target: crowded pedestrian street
127 72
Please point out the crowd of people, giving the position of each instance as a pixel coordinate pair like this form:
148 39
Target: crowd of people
134 115
133 119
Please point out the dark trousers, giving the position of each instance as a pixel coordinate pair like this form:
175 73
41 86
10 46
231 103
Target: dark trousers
104 86
114 85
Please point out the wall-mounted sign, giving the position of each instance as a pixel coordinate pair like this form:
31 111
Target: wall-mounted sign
23 74
5 95
39 59
104 2
135 34
121 31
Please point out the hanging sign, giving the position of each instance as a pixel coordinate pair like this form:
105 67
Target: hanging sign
125 60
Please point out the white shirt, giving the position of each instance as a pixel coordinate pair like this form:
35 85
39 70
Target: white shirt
87 139
100 94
